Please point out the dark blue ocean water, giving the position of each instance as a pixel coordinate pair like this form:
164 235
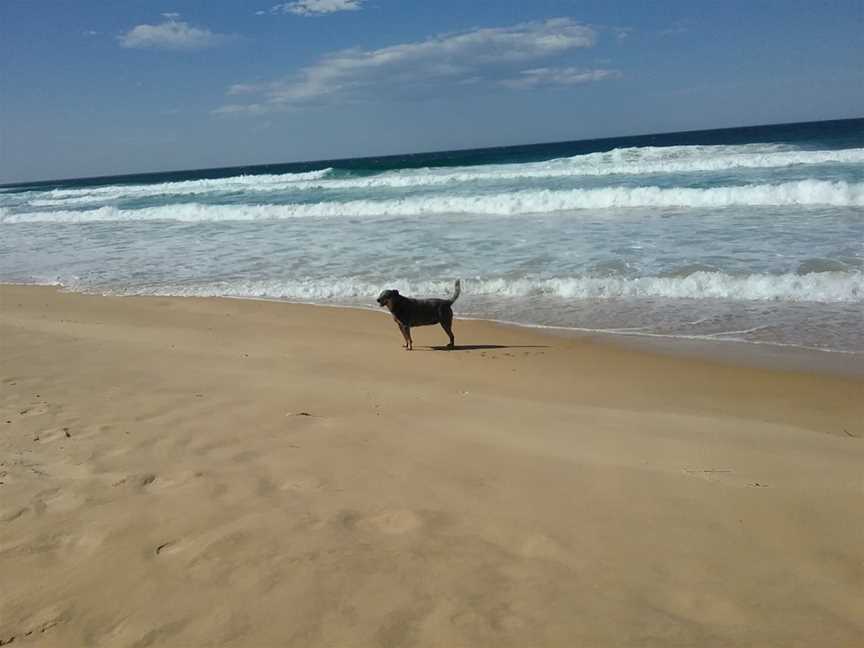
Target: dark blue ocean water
752 234
824 135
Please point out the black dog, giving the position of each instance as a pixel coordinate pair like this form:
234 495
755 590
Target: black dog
408 312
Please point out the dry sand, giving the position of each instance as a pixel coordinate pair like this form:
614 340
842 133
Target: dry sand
161 484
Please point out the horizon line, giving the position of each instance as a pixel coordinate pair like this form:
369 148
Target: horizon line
384 156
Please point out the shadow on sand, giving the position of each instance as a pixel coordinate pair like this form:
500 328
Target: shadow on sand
481 347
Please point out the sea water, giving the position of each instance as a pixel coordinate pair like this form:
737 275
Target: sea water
751 234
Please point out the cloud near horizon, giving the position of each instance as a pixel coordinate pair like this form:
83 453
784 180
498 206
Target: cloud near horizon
560 76
499 56
171 34
313 7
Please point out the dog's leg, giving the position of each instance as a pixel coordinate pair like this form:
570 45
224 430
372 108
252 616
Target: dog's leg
410 346
405 336
447 325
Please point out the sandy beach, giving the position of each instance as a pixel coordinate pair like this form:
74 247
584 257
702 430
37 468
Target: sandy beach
212 472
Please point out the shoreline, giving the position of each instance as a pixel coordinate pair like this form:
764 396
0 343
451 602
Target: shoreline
765 355
200 471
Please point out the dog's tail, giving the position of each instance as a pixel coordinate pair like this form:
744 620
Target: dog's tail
457 290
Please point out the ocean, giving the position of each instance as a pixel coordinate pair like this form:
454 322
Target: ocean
749 234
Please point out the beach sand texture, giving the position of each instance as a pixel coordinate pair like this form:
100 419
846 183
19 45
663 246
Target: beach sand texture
209 472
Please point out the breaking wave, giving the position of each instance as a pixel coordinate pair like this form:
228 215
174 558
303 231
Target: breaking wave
622 161
801 193
824 287
637 161
241 183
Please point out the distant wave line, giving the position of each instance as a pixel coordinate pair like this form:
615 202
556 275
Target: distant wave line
626 161
800 193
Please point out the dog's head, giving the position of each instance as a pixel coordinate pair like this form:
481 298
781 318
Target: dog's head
387 297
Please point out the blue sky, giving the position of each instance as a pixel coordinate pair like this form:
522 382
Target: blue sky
95 87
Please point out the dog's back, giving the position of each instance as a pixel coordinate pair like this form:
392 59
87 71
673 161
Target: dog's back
424 312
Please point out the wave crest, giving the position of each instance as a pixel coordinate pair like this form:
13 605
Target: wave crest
624 161
824 287
262 182
801 193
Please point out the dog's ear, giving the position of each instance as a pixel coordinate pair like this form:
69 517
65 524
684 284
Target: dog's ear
395 293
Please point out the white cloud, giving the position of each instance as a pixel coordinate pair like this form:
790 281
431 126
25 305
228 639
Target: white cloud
171 34
245 88
246 109
314 7
557 76
493 55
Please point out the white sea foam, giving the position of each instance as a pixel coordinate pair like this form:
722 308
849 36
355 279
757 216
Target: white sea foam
241 183
801 193
624 161
617 162
824 287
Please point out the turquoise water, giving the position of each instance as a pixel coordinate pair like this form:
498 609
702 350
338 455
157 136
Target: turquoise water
752 234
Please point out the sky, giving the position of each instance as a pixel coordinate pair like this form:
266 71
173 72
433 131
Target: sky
101 87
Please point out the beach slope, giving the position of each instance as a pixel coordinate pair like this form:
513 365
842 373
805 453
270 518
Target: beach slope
191 472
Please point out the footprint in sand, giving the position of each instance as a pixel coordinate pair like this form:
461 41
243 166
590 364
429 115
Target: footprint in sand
13 514
56 499
36 409
204 554
57 434
66 544
139 481
153 483
38 624
146 480
168 548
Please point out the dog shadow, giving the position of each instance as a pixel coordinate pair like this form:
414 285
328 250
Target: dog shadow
483 347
